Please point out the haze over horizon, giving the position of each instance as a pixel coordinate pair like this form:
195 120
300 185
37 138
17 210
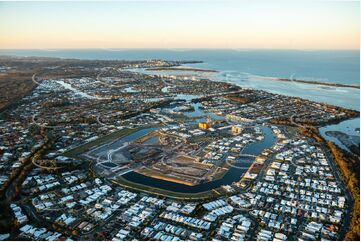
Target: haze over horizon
180 25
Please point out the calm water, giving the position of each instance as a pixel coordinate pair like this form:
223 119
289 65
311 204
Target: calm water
200 113
348 127
233 174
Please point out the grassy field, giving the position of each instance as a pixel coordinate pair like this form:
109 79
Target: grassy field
82 148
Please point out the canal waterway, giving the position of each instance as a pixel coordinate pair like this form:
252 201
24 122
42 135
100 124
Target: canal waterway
233 175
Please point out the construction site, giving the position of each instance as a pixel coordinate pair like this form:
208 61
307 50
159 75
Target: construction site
156 154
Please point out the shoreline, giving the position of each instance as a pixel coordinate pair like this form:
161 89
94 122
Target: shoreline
346 106
319 83
307 82
180 69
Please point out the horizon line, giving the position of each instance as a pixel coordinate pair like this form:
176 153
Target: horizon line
178 48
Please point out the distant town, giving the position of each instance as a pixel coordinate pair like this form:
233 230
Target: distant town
100 150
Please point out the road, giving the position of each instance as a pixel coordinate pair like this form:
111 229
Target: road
46 167
34 80
43 125
292 120
340 182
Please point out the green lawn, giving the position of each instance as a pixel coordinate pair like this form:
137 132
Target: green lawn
82 148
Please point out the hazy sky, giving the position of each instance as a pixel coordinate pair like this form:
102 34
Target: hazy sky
181 24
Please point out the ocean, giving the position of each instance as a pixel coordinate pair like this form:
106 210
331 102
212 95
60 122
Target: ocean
328 66
253 69
323 65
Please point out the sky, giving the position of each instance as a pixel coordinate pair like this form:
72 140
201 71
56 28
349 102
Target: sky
181 24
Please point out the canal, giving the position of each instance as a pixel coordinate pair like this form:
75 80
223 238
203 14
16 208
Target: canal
233 175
